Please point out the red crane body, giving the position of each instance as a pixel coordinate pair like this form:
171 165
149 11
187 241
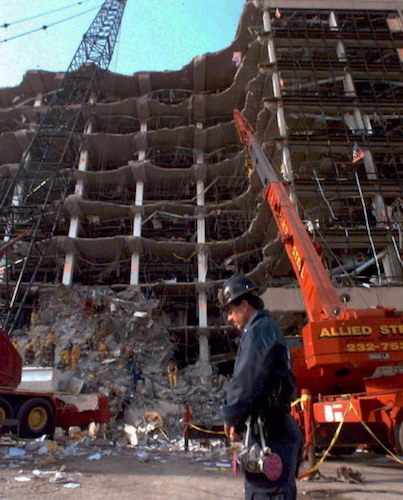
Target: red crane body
336 339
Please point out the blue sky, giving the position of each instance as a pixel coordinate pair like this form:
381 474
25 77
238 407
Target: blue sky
155 35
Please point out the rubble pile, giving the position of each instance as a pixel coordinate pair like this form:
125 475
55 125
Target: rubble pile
124 352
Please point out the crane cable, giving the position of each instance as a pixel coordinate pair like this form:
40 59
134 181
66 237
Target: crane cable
6 25
45 27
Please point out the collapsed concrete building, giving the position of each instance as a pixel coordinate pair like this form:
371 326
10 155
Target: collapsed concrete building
161 201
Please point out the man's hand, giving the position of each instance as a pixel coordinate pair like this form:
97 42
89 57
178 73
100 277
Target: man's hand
231 433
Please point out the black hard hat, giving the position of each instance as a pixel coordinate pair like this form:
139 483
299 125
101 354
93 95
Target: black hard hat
235 287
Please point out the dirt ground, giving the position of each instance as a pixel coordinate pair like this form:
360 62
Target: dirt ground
97 473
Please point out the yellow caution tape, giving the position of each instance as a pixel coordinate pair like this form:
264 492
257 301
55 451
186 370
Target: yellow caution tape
393 456
336 435
332 442
303 399
207 431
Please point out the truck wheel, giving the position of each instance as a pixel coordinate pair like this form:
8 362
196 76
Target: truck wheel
398 431
36 418
6 410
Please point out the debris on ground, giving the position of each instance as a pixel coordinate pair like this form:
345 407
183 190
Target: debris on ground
348 475
123 349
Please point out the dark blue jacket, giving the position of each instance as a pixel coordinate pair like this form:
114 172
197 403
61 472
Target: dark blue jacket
262 371
263 383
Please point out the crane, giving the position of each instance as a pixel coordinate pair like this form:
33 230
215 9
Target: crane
340 344
32 202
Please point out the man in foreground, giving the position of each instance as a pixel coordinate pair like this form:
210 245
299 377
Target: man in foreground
262 388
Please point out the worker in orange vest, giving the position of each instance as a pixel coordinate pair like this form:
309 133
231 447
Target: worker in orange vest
16 344
102 351
75 355
172 372
29 353
50 348
66 358
37 342
51 338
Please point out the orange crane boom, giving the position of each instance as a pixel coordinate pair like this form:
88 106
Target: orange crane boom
342 347
334 334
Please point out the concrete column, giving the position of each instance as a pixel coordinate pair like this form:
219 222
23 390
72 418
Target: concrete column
266 21
135 260
69 261
204 353
202 265
137 221
286 166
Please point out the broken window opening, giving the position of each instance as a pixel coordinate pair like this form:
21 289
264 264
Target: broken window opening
223 348
163 226
162 190
101 272
97 227
226 188
229 224
223 153
172 269
117 192
171 96
171 156
167 121
116 124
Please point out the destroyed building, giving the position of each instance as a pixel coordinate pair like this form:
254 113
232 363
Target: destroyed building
161 200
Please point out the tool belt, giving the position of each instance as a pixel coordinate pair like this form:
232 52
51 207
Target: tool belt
258 459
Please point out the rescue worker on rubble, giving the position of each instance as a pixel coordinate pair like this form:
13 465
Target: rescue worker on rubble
129 357
102 349
75 355
16 344
123 353
50 348
33 319
262 385
69 346
29 353
172 373
65 358
137 375
51 337
37 342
